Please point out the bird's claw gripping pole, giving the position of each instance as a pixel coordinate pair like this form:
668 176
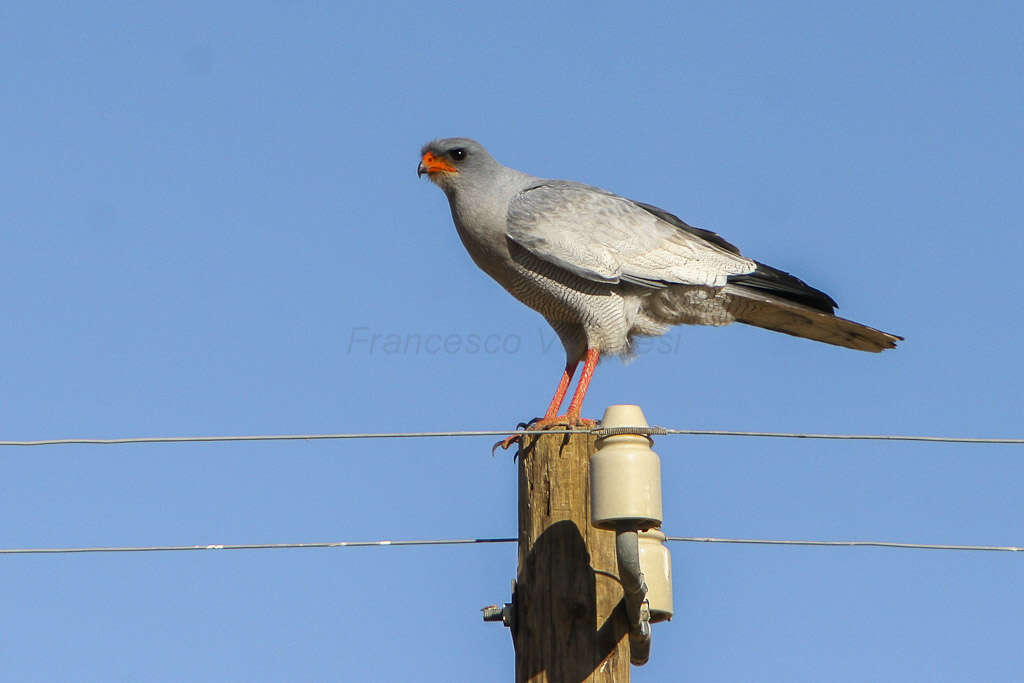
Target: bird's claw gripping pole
572 416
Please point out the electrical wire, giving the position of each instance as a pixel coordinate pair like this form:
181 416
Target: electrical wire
852 437
469 541
853 544
277 437
250 546
655 431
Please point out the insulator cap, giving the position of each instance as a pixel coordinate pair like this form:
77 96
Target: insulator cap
625 474
656 564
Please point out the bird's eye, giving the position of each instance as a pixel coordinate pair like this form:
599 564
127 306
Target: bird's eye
457 154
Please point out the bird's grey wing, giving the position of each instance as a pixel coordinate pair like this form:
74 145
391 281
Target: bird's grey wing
607 238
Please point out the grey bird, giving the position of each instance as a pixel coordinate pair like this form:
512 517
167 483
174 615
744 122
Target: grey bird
603 269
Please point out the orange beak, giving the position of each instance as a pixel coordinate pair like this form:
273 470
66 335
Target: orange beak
430 165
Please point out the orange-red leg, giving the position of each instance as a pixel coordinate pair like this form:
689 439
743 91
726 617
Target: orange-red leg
572 417
563 388
576 404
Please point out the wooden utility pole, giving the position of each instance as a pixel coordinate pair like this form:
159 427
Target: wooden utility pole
570 619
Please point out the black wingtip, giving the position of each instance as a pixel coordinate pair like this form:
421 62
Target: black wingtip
766 279
785 286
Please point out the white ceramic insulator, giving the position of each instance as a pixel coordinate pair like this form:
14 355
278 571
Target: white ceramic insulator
625 474
656 564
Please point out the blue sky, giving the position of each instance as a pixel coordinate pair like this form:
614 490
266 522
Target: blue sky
207 208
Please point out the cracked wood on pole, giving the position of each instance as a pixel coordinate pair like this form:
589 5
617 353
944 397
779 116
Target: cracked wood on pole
571 623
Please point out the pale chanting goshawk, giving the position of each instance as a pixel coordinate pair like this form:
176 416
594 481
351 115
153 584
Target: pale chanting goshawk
603 269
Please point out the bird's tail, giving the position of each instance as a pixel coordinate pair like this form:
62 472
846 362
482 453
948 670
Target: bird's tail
761 309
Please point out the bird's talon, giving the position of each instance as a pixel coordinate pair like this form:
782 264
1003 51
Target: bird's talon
505 443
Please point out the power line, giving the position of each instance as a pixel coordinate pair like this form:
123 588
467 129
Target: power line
853 544
469 541
852 437
279 437
656 431
265 437
250 546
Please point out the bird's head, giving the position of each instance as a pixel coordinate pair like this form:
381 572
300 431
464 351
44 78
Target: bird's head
449 162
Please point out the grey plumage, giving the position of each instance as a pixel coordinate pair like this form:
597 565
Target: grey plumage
603 269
